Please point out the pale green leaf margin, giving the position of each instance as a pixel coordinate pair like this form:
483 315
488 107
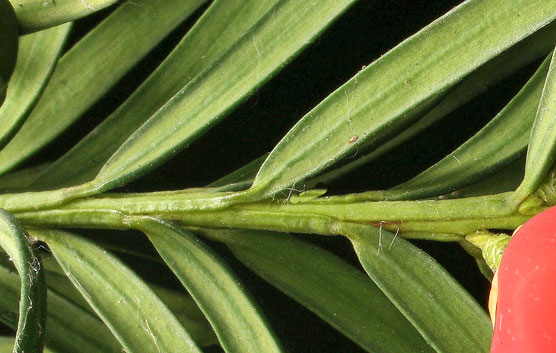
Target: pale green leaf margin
523 53
182 305
32 305
335 291
203 101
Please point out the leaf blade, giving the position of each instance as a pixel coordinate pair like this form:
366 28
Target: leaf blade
401 82
69 328
204 101
34 15
87 81
235 318
8 45
220 26
423 291
37 56
183 307
6 343
542 144
505 138
323 283
32 305
521 54
143 323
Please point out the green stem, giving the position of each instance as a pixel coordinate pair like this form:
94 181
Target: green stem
445 220
106 219
461 226
334 207
196 198
395 211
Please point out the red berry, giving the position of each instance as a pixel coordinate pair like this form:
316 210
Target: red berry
526 306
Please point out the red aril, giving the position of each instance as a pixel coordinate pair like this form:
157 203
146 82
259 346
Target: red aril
526 306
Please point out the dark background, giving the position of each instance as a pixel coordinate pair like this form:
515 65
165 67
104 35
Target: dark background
361 35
